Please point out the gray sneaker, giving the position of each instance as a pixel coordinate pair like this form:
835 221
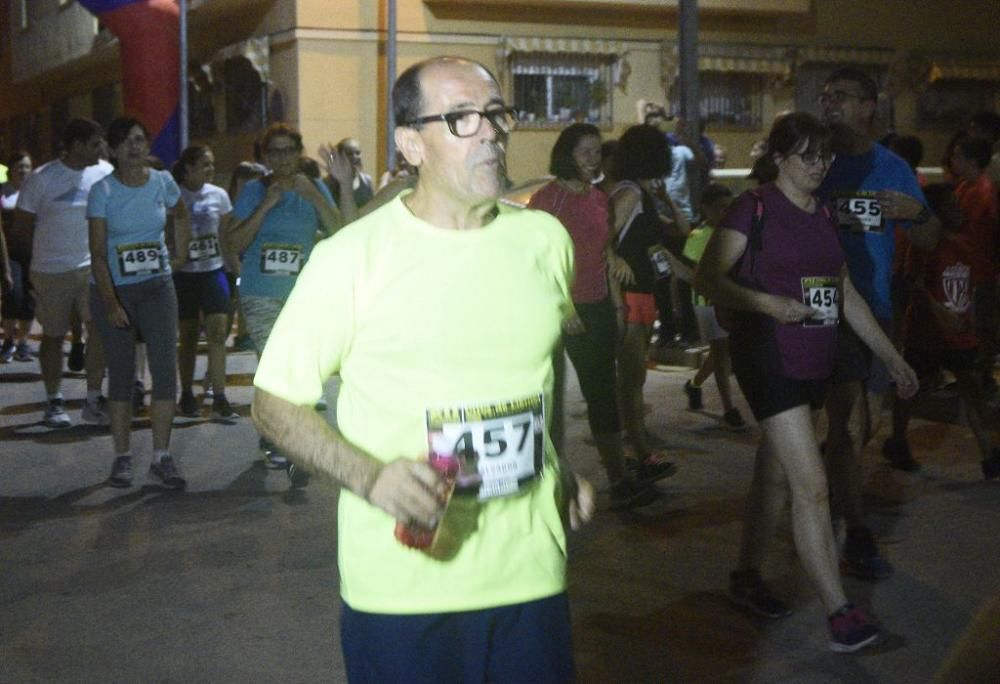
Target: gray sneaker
121 472
96 412
165 470
55 415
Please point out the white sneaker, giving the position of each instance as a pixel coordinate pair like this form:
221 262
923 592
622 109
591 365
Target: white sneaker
56 416
96 412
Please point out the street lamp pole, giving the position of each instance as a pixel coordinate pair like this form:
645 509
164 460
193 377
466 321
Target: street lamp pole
390 79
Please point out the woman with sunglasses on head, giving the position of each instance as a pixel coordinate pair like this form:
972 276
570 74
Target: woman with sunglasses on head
276 222
641 161
591 336
201 284
776 264
133 293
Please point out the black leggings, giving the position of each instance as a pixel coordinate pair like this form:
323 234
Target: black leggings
593 356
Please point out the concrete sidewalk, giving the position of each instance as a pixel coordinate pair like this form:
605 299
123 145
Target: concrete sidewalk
235 580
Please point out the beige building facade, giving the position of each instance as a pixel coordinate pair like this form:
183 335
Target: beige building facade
320 64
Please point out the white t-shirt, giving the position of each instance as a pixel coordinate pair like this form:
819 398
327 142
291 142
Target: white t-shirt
8 197
207 206
57 196
677 182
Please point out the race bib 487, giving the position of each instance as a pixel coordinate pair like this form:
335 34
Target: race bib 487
280 260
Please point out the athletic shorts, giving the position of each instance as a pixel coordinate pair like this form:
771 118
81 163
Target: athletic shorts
523 642
854 362
927 363
767 391
259 314
708 324
206 292
640 308
57 296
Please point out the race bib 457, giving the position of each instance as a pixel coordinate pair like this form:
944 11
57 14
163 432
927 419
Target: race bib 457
499 445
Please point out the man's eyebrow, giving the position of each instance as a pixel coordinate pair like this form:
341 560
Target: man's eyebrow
471 106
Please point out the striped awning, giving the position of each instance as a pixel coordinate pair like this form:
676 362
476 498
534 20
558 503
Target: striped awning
569 46
846 55
964 69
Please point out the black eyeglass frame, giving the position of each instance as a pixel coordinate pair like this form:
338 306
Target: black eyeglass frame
451 118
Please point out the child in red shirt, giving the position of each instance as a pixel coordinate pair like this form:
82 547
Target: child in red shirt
939 331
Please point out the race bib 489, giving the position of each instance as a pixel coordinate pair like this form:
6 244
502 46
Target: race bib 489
140 258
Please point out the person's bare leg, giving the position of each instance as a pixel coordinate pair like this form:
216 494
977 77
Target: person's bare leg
215 335
94 362
50 358
723 372
161 412
705 370
187 351
789 435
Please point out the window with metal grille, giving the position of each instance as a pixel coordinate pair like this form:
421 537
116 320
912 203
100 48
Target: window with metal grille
949 103
732 100
553 90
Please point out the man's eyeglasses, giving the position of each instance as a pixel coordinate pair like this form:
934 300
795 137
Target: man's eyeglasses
810 158
838 97
465 123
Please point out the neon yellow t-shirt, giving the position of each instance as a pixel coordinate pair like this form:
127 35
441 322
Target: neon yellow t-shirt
694 247
417 318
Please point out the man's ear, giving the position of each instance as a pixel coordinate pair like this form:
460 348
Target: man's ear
410 144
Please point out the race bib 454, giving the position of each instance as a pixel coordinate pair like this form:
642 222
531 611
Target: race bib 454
822 293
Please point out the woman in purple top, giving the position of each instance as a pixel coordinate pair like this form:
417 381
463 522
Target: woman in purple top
777 263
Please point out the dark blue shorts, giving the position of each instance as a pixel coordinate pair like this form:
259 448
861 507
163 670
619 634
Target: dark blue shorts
205 292
525 643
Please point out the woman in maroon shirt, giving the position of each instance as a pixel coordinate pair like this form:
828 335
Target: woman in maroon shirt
776 260
590 337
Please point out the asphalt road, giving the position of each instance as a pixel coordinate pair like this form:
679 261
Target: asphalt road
235 580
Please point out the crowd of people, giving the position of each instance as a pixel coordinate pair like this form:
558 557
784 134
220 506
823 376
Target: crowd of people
841 279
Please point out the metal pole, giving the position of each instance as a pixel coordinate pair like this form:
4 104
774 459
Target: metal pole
182 58
390 79
690 109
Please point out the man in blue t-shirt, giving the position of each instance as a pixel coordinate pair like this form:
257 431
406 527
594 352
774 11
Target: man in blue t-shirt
873 191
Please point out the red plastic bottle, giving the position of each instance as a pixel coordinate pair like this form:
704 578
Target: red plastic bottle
419 537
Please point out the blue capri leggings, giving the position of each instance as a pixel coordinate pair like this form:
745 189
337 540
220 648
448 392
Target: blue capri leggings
152 307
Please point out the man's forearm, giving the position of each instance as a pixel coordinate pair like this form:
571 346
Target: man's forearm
304 436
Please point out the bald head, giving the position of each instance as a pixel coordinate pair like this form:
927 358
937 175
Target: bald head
407 93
